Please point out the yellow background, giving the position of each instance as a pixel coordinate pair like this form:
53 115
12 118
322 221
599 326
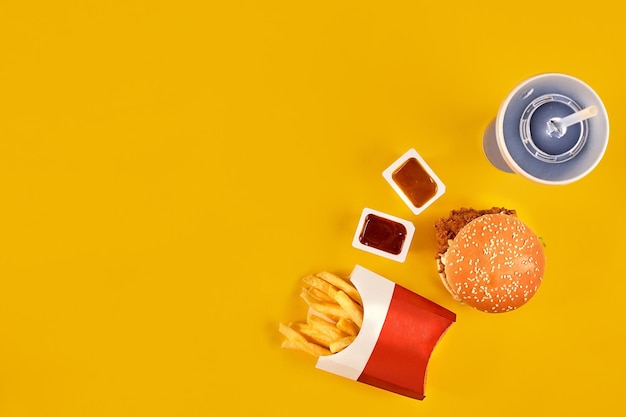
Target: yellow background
169 170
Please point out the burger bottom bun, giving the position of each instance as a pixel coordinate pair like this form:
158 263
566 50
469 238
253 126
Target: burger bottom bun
442 275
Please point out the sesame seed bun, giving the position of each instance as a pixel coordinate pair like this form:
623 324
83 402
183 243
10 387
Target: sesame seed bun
494 264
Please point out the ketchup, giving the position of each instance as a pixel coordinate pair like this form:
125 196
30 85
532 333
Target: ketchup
383 234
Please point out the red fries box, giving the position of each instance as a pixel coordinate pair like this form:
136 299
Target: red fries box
399 332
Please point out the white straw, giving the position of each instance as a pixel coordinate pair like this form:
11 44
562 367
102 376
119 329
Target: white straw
560 125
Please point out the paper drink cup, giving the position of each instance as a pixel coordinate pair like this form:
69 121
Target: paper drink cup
399 332
521 139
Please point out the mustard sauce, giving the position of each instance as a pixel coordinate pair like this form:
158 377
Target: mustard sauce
415 182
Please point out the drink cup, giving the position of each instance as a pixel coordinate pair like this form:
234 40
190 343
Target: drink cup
523 139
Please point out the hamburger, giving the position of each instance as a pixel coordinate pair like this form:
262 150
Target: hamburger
489 259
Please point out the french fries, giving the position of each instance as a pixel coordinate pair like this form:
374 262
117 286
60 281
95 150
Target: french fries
348 326
354 310
340 344
335 319
342 284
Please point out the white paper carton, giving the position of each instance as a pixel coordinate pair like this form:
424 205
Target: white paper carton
400 330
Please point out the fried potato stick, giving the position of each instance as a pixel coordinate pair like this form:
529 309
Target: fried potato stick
342 284
340 344
321 284
326 327
298 341
348 326
354 310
